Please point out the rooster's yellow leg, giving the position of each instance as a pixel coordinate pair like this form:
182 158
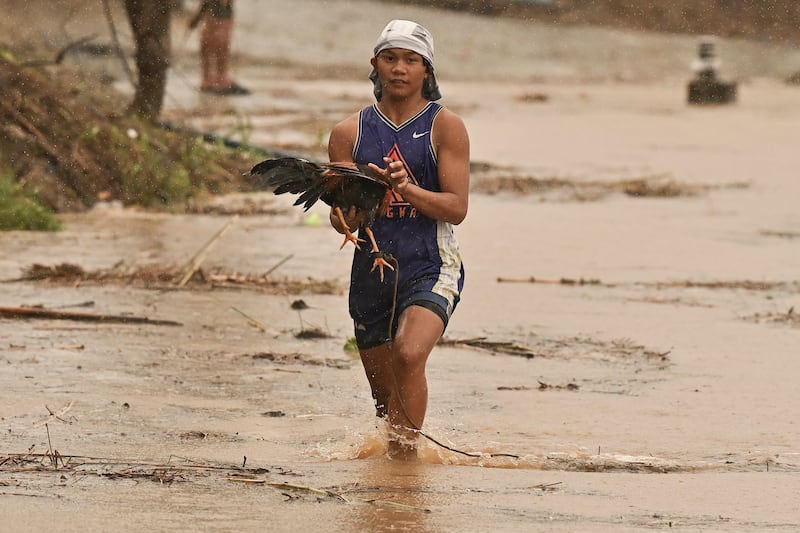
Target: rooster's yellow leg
379 262
348 235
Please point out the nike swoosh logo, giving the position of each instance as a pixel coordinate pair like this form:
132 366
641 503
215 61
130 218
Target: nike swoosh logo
418 135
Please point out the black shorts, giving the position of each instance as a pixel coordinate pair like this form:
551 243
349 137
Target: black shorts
377 333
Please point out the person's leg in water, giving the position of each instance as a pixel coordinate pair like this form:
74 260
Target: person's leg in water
396 374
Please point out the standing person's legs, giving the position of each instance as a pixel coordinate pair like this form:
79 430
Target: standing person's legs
206 54
379 374
215 49
418 331
396 373
223 52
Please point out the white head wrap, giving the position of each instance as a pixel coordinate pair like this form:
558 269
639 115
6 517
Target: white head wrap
409 36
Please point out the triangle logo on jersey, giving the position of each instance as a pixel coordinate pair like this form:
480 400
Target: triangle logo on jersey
398 207
395 155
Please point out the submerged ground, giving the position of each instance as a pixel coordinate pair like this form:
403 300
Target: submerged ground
627 329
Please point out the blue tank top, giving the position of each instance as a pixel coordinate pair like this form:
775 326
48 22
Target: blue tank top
426 249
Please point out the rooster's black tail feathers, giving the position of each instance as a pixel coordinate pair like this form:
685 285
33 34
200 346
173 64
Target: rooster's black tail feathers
292 175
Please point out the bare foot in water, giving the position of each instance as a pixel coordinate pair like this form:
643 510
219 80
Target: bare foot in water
400 450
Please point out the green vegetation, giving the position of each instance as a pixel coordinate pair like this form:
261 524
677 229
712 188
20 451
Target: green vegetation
20 210
155 168
65 137
351 347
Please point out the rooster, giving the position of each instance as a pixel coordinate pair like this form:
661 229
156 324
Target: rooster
340 185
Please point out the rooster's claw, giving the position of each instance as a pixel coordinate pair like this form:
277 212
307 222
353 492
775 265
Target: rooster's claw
381 260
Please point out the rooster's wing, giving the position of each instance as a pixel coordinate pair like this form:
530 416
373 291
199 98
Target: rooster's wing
337 184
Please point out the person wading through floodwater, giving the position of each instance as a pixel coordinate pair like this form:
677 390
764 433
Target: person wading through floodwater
423 150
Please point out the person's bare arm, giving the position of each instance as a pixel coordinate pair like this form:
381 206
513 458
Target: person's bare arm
340 149
451 141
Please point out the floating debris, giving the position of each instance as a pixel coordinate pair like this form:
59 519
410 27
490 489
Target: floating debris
505 347
492 181
166 278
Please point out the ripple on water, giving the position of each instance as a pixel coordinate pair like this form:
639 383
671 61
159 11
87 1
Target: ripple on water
374 443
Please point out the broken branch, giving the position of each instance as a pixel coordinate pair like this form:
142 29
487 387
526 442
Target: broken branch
506 347
50 314
261 327
279 263
200 256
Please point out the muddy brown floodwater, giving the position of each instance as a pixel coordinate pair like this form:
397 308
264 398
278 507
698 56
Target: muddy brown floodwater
627 328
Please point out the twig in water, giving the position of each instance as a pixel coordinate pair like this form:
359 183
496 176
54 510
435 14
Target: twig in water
252 320
330 493
53 455
200 256
322 492
546 486
278 264
32 312
405 507
56 416
506 347
560 281
89 303
238 479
